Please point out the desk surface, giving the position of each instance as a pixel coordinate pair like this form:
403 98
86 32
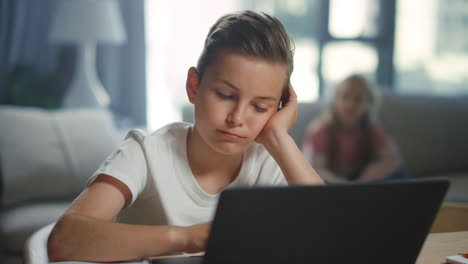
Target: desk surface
438 246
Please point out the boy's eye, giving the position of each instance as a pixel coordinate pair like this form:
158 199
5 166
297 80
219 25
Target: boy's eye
260 109
224 96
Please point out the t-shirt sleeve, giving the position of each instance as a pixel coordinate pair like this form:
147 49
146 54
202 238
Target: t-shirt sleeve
127 164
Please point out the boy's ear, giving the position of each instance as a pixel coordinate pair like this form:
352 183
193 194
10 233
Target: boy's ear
192 84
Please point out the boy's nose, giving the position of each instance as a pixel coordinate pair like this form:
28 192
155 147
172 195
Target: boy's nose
235 117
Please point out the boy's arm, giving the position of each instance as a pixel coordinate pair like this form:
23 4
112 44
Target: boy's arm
280 144
87 231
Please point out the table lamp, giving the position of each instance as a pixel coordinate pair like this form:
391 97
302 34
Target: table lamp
87 23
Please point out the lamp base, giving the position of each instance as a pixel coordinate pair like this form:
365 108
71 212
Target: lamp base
86 90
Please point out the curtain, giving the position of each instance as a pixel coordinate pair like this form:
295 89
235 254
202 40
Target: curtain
24 27
123 69
23 33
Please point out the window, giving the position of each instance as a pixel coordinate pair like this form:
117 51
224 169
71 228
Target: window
353 18
346 57
354 39
301 20
411 46
175 34
175 31
431 49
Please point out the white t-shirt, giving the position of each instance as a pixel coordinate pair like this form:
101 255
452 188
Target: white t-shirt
164 191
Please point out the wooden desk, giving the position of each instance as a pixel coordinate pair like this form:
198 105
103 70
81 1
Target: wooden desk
440 245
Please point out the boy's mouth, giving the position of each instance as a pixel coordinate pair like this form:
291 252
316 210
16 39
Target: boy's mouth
229 134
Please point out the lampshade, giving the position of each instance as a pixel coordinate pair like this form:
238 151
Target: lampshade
84 21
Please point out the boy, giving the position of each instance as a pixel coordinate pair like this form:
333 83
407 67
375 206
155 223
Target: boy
168 182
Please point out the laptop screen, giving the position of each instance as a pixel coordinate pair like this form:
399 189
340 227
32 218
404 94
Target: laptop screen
383 222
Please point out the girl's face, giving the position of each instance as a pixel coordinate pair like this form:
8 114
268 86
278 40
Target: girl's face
351 103
235 98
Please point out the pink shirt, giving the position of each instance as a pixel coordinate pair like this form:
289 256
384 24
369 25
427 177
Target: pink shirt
348 141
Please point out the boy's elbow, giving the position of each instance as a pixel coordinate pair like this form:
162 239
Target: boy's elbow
53 252
56 248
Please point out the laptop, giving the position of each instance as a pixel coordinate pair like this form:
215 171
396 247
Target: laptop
384 222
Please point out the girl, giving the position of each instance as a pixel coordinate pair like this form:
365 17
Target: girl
346 143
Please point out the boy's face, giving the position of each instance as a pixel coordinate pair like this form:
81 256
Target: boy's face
235 98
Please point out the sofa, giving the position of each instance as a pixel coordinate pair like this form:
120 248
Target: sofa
45 159
431 134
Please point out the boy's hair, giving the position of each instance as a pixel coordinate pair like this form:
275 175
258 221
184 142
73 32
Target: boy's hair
248 33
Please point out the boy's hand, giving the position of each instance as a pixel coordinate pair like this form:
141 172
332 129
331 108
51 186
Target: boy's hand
195 237
281 121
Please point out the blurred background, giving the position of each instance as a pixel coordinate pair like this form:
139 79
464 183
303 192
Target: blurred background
75 75
410 46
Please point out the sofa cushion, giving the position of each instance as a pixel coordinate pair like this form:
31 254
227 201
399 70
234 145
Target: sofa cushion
18 223
50 154
430 131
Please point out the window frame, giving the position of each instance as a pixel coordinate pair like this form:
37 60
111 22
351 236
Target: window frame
383 42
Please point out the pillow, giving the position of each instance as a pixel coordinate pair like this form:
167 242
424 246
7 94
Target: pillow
50 154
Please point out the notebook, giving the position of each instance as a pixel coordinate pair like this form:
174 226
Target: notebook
385 222
457 259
